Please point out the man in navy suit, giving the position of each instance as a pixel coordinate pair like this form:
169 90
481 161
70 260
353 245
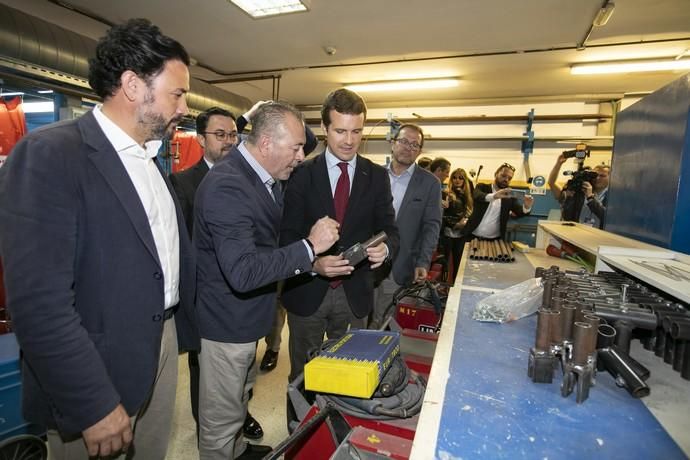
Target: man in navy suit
417 204
273 339
238 210
100 283
217 133
356 192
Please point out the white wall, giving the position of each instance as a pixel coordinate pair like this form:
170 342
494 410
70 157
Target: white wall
492 151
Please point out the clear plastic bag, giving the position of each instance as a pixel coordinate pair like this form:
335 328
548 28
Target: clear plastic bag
512 303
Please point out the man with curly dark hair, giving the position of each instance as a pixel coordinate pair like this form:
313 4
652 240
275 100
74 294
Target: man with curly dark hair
98 266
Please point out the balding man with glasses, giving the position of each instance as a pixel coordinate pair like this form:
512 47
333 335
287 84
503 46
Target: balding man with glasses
493 204
417 205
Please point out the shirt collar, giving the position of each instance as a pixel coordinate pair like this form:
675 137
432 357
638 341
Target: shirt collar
123 142
332 160
264 176
408 171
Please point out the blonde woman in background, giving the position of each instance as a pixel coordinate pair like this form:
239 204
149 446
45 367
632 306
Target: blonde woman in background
455 216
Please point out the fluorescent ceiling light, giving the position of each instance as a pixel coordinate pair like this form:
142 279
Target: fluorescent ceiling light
399 85
45 91
629 66
38 107
12 93
263 8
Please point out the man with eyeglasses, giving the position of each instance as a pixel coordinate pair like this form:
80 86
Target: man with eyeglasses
417 205
493 204
217 134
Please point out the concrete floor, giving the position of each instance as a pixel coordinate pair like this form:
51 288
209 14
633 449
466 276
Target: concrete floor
267 406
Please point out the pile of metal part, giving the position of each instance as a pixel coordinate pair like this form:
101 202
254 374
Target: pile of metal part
586 324
492 250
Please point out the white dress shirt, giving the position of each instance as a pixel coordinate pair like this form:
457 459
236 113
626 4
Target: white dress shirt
490 226
399 185
155 198
334 171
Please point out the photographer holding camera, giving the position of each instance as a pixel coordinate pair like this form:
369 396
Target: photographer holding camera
585 195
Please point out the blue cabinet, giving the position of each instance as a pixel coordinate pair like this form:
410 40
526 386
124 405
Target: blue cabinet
649 197
11 421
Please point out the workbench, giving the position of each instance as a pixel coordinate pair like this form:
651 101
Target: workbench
481 403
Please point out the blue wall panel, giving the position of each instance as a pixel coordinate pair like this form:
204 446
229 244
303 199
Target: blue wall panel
649 197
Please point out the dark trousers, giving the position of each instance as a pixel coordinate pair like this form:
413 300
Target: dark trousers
193 361
333 318
453 251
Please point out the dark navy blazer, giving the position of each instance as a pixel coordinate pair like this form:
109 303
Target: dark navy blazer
308 197
84 283
236 227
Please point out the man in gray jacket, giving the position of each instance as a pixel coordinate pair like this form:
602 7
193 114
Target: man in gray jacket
417 204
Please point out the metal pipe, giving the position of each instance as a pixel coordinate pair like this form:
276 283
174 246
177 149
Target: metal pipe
555 328
680 328
624 330
679 350
567 319
543 338
581 343
548 284
641 318
669 347
659 342
617 363
606 335
594 322
685 370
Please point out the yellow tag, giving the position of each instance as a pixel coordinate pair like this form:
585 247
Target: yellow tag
373 439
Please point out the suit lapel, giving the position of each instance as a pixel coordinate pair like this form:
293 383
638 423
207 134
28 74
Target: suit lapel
260 188
415 182
178 210
107 162
322 184
200 170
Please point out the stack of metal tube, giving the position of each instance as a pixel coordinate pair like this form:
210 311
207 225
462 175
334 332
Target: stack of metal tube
491 250
586 324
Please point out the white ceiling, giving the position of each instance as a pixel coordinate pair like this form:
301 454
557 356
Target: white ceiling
503 50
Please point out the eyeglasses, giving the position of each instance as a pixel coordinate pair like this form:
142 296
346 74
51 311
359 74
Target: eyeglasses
508 165
408 144
222 135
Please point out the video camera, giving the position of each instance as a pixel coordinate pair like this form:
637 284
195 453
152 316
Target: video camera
578 177
580 152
